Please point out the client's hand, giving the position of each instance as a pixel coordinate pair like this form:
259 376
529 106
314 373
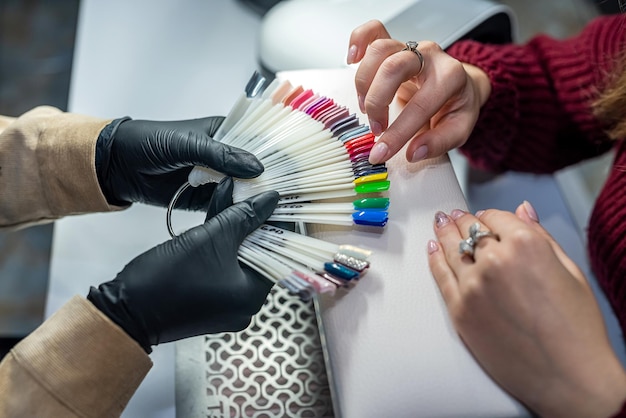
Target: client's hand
442 96
193 284
147 161
527 314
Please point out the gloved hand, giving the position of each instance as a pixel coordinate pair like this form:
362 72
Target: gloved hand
193 284
147 161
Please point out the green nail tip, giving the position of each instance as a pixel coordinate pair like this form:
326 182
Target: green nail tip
371 203
373 187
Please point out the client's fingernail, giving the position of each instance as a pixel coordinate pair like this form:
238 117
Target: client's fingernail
441 219
378 153
530 210
351 54
432 246
376 127
479 213
457 213
419 154
361 103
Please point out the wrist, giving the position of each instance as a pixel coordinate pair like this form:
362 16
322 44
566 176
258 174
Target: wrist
109 299
480 80
607 392
104 145
598 391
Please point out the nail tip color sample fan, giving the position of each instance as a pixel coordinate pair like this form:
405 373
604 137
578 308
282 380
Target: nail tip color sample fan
315 153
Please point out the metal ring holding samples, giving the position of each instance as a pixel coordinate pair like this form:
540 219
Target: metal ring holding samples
467 246
171 206
412 46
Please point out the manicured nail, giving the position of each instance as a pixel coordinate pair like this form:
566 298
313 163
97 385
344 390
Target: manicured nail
376 127
361 103
479 213
457 213
351 54
441 219
378 153
532 213
419 154
432 246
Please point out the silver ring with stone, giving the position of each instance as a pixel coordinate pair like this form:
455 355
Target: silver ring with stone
412 47
468 245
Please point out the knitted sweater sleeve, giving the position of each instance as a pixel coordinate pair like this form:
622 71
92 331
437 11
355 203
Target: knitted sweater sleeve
538 117
621 413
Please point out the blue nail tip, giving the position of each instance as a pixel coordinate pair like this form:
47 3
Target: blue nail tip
370 217
340 271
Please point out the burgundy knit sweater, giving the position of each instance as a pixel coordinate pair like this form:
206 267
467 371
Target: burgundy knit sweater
538 119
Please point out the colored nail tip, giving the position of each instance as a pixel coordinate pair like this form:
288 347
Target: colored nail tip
371 203
371 209
364 140
354 251
361 173
319 284
298 282
361 156
369 170
337 281
351 262
366 223
347 120
361 132
304 293
340 271
301 98
370 217
371 178
354 135
342 129
366 166
372 187
366 163
316 113
360 150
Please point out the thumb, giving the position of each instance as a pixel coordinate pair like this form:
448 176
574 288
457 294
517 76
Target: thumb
202 150
528 214
211 124
208 125
239 220
221 198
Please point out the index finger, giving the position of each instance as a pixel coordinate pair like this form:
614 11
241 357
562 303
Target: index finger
442 79
506 223
444 275
362 36
380 75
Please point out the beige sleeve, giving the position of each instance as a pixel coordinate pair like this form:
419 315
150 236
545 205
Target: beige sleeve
78 363
5 121
47 166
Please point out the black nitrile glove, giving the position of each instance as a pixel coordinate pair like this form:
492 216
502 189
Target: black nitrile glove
147 161
193 284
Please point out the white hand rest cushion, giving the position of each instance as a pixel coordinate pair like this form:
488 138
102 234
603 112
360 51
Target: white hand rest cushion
391 348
